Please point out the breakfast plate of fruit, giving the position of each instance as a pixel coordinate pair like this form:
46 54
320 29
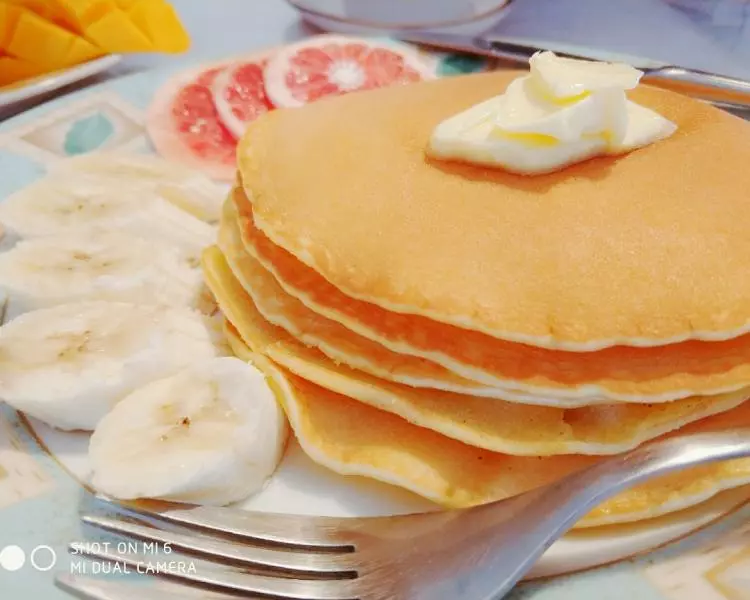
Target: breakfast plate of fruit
47 45
347 277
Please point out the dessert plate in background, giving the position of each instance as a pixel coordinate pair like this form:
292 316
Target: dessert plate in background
388 16
38 86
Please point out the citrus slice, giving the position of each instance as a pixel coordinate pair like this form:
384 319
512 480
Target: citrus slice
239 94
185 127
329 65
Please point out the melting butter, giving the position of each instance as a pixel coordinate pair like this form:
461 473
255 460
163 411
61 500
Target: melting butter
564 111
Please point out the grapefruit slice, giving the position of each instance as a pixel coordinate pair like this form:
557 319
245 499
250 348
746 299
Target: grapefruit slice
329 65
239 93
185 127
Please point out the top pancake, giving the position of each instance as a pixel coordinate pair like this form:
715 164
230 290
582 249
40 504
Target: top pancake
646 249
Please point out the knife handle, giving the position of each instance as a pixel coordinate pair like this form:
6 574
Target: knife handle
706 86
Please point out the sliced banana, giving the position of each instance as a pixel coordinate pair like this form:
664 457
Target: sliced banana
53 270
69 365
210 435
77 203
187 189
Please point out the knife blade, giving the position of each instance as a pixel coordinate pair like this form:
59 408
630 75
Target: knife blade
725 91
520 51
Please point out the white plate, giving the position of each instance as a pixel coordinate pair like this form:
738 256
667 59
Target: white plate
329 16
49 503
304 488
38 86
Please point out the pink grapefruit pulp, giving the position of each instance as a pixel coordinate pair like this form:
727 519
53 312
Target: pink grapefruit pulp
329 65
184 125
239 93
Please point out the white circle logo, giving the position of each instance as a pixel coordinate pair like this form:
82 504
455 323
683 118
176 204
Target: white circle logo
12 558
43 558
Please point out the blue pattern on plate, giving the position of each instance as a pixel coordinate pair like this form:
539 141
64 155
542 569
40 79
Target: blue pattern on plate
88 134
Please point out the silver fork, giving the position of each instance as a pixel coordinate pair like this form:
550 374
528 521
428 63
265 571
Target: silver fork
473 554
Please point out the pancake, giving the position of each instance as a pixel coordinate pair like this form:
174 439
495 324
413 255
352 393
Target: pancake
495 425
621 373
333 339
340 343
506 427
644 249
352 438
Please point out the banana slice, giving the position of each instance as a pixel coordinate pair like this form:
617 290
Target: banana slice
185 188
77 203
69 365
53 270
209 435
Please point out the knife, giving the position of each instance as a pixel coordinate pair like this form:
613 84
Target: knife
721 90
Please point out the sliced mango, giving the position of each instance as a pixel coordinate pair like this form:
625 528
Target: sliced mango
9 16
47 44
126 4
82 51
127 25
13 70
115 32
83 13
159 21
37 36
39 42
47 9
65 13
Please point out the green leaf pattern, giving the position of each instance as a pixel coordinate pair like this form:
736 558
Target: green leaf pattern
88 134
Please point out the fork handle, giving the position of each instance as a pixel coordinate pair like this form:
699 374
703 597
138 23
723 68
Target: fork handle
507 537
590 487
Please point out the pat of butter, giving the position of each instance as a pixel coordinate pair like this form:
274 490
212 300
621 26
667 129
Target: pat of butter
565 111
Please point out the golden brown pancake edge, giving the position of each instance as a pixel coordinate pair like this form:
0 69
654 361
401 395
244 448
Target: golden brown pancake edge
643 249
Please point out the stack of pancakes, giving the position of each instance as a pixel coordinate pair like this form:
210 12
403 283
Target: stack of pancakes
469 334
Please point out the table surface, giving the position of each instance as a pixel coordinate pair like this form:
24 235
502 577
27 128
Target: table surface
225 27
667 575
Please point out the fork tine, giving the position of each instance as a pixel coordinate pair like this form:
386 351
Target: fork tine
283 530
301 563
92 588
217 577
